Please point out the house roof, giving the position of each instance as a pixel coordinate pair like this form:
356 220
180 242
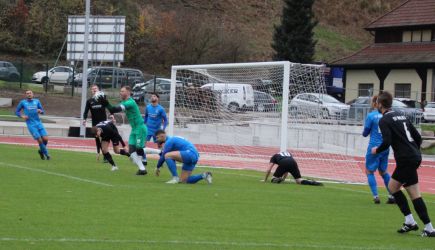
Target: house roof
391 54
410 13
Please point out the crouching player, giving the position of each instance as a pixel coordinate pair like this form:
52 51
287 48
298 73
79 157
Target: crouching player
179 149
286 164
106 131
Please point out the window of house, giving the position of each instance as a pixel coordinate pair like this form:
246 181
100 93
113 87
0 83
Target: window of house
433 35
402 90
406 36
426 36
365 89
416 35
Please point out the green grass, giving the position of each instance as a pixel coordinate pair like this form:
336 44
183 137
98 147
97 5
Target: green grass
15 86
427 127
9 116
74 202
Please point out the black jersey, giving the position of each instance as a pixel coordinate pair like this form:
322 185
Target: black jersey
109 130
97 109
277 158
399 132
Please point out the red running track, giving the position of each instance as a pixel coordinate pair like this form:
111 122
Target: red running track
314 164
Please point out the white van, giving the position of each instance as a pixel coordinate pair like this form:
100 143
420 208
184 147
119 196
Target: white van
235 96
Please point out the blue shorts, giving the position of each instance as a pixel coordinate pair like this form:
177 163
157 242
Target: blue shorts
153 137
190 158
37 130
378 161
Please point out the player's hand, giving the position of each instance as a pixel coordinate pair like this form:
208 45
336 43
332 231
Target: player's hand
25 117
84 122
39 111
158 172
374 150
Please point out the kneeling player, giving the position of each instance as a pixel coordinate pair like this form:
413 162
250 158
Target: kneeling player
286 164
107 131
179 149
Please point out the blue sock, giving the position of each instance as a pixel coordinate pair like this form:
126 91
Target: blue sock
45 142
194 178
372 184
386 178
172 167
144 157
43 148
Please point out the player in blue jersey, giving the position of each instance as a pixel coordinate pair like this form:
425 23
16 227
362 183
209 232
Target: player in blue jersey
31 109
154 116
174 149
376 162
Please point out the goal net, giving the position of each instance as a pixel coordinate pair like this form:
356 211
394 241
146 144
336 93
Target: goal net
239 115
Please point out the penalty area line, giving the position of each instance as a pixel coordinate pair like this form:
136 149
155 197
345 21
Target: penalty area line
182 242
55 174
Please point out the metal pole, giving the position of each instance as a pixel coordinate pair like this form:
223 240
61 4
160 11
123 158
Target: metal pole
85 67
21 72
284 107
46 78
172 101
72 80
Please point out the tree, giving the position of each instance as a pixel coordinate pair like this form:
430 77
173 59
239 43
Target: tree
293 38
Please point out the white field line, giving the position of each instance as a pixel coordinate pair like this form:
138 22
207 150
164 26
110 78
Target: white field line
55 174
197 243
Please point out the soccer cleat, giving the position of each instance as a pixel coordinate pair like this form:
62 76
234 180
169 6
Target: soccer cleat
114 168
376 200
276 180
141 172
407 228
105 160
391 200
144 163
208 177
47 157
427 234
41 155
174 180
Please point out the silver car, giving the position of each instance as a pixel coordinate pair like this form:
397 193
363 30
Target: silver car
8 71
318 105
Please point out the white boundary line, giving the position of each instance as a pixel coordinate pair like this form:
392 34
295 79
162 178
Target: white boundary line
205 243
56 174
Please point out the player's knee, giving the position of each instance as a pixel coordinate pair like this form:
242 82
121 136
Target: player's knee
382 173
369 171
298 180
131 149
140 151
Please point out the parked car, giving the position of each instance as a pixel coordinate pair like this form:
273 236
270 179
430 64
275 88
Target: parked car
8 71
162 86
360 107
60 74
234 96
134 76
318 105
263 102
429 112
104 76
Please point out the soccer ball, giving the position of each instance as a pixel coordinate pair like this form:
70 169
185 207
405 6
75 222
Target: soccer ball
98 95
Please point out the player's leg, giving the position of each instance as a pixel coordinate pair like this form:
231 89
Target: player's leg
170 159
190 159
143 135
44 137
293 169
413 190
107 155
383 172
34 131
132 149
397 179
372 163
280 174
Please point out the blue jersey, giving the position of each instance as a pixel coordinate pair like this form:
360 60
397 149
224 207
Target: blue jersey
371 127
176 143
30 108
153 118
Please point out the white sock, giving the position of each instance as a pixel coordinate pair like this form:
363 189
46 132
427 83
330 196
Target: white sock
409 220
428 227
137 160
152 151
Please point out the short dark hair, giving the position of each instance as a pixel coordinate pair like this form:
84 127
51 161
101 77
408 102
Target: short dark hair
159 132
127 88
95 85
156 95
385 99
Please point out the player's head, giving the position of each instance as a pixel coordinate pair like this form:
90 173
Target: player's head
374 103
385 101
155 98
125 92
94 89
161 136
29 94
96 131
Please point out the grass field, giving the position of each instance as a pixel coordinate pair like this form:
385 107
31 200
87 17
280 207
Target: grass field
74 202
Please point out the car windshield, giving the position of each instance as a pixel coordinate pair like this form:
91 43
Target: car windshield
165 86
328 99
399 104
430 105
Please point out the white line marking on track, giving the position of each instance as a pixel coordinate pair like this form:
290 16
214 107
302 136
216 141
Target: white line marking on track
56 174
209 243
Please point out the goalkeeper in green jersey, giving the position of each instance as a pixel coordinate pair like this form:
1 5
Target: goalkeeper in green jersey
138 135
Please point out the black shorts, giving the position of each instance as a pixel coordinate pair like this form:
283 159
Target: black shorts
114 139
287 165
406 172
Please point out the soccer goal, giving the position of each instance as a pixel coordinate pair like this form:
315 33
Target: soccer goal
238 115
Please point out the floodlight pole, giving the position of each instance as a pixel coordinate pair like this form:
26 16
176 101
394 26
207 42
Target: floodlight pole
85 67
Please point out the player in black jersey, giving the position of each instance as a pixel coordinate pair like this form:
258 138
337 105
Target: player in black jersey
107 132
399 133
98 112
286 164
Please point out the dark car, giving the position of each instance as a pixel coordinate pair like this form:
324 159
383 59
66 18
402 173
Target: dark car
8 71
263 102
360 107
134 76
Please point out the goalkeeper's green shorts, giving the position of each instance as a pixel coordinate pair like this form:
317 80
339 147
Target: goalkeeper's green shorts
138 136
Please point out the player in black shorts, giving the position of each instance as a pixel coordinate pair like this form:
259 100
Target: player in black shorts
98 113
286 164
399 133
107 132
